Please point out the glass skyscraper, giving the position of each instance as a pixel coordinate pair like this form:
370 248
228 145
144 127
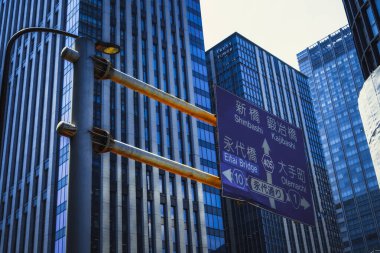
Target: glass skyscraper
135 208
364 19
252 73
335 80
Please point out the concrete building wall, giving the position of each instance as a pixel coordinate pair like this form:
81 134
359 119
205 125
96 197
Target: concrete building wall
369 107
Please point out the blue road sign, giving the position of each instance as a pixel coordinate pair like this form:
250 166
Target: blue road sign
262 159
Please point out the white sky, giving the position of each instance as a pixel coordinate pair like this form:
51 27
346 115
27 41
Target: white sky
282 27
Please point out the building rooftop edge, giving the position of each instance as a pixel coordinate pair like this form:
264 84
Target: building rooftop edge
328 36
250 41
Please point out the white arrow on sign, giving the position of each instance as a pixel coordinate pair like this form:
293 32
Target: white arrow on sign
228 174
269 172
304 203
266 147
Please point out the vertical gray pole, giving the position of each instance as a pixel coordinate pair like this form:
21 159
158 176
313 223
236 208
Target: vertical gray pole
80 171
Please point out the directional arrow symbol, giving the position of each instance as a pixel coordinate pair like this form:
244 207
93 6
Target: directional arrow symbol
304 203
266 147
228 174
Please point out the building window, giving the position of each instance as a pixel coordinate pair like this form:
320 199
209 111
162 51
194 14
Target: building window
173 218
150 227
372 21
196 234
163 226
161 185
193 193
184 188
149 180
186 228
171 185
378 6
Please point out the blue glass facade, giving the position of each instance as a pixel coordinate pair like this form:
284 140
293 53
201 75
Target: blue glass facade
335 80
135 208
30 161
364 20
247 70
207 149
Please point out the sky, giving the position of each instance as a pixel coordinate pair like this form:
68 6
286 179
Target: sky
282 27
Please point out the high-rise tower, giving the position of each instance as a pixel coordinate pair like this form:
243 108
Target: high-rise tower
135 208
369 107
335 80
251 72
364 19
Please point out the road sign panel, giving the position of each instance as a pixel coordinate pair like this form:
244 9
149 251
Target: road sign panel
262 159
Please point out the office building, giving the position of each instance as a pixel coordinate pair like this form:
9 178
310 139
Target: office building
369 107
364 20
135 208
335 80
254 74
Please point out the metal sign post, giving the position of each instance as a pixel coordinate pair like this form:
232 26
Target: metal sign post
85 138
78 230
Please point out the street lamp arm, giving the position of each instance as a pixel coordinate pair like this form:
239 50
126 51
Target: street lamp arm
16 36
4 81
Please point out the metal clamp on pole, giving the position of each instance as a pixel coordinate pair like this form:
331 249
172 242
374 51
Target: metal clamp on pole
102 68
66 129
103 142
